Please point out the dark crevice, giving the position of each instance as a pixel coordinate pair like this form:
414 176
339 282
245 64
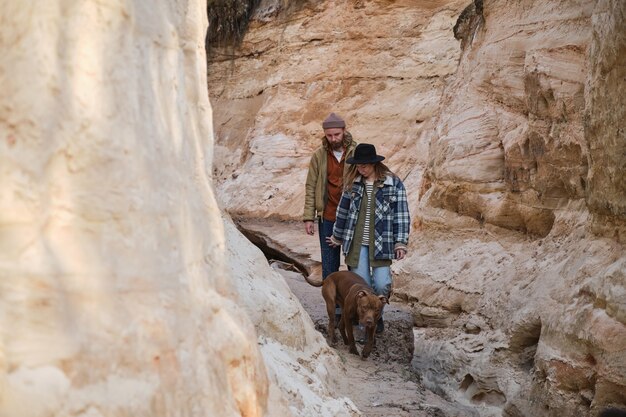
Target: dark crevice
467 382
228 21
524 341
467 23
272 251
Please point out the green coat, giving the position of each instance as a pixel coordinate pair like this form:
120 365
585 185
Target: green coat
315 193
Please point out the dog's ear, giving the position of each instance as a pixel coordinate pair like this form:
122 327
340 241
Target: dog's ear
361 294
383 299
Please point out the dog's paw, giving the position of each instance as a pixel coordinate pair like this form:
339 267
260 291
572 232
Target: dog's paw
353 350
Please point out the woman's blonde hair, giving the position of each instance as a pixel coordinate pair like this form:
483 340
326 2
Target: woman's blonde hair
381 171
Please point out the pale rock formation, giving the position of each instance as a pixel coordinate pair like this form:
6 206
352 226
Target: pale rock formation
527 137
116 290
302 367
516 269
508 146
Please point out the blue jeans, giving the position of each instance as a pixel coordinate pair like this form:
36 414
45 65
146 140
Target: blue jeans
379 278
330 256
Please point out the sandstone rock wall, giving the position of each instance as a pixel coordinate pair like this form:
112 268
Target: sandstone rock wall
301 366
122 289
109 226
380 65
508 146
526 325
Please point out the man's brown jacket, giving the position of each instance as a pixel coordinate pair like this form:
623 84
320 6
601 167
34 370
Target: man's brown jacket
315 195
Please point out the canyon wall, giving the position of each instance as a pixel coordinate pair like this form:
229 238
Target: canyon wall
380 65
511 144
123 290
531 323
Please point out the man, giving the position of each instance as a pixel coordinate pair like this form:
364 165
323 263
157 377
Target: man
324 185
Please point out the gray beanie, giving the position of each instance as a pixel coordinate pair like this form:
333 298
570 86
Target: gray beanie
333 121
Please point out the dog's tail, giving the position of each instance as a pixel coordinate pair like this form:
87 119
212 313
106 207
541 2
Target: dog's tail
314 283
315 277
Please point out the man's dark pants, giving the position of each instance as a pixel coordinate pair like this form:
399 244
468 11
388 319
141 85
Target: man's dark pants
330 256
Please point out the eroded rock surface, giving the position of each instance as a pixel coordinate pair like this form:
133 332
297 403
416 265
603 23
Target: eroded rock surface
508 145
380 65
530 325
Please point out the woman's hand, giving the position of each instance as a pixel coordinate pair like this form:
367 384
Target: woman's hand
400 253
332 243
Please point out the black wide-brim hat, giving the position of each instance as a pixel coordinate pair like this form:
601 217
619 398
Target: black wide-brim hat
365 153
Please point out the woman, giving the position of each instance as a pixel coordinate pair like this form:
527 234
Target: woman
373 221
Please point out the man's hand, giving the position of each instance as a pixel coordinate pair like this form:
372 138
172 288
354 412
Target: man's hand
332 243
308 227
400 253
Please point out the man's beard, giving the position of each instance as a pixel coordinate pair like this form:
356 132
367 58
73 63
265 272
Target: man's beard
337 146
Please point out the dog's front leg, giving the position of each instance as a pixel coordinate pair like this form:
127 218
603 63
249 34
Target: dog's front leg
342 328
331 326
331 332
350 336
371 334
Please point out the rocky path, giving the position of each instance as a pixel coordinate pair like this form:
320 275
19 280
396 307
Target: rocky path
383 385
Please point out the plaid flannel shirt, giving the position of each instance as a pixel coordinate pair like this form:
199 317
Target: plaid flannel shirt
391 222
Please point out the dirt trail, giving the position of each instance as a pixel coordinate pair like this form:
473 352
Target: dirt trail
377 386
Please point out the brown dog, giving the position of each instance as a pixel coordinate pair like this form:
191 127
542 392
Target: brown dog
358 304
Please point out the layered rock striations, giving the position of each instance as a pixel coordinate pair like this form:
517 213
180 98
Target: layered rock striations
529 324
508 147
